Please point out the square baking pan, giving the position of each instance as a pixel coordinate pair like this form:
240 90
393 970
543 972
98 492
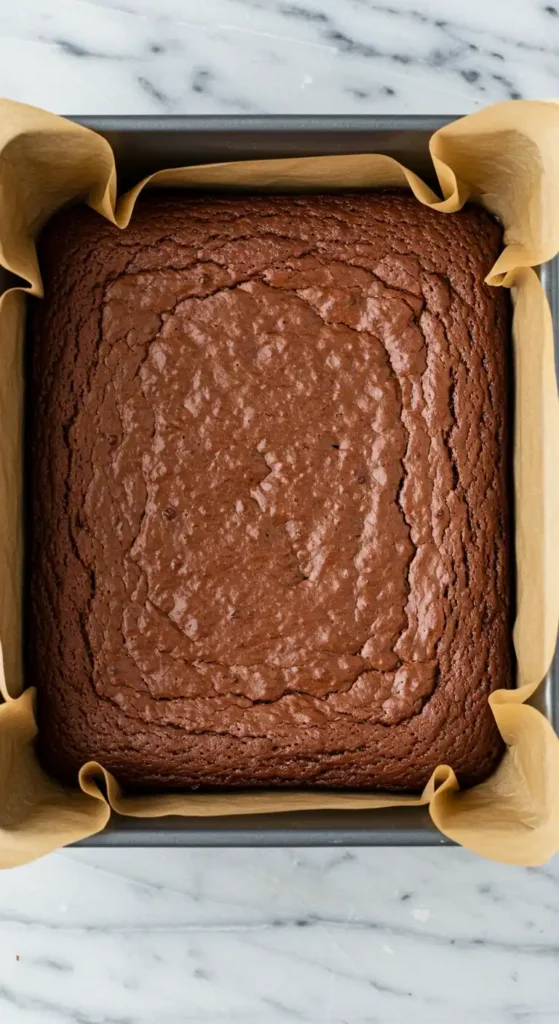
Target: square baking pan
145 144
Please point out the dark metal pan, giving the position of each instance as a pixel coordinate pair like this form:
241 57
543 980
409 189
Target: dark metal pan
143 145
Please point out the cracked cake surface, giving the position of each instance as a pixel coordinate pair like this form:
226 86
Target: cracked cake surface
269 532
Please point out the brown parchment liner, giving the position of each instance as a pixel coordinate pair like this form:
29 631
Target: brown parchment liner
505 157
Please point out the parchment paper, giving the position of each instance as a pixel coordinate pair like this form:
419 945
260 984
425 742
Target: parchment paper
505 157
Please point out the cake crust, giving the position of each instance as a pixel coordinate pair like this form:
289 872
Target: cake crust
270 527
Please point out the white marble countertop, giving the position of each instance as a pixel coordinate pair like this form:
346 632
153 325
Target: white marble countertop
276 56
264 936
278 936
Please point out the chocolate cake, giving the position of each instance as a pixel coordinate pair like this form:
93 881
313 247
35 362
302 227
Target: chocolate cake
270 528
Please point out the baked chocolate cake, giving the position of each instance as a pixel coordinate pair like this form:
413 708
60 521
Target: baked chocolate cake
270 537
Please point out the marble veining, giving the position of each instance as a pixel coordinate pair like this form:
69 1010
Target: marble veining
262 936
276 56
271 936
